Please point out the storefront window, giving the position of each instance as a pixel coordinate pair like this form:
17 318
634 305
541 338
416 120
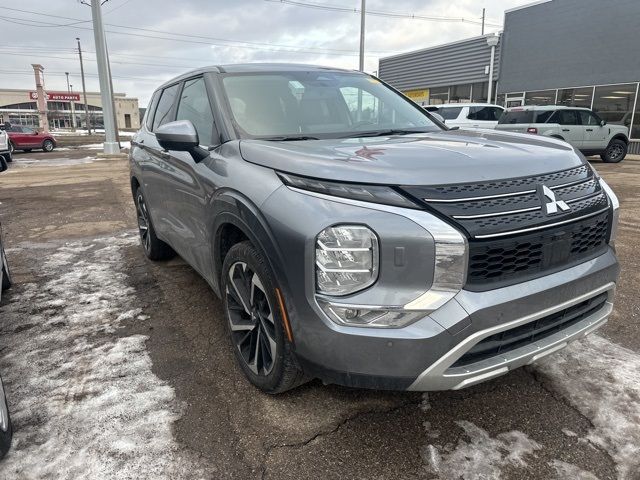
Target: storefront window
635 130
614 103
438 96
479 93
500 100
575 97
460 94
542 97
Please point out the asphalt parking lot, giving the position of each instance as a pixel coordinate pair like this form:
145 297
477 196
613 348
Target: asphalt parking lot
116 367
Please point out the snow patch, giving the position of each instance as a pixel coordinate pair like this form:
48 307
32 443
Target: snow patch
602 380
481 456
85 402
569 471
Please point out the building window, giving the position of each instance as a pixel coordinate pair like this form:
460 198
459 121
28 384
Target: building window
614 103
542 97
479 93
460 94
439 95
635 130
500 99
575 97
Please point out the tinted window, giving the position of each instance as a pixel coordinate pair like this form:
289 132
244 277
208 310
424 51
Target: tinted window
152 107
516 116
194 106
544 116
566 117
449 113
588 118
490 114
165 106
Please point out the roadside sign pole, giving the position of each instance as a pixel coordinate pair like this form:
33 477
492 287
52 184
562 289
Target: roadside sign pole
84 90
111 146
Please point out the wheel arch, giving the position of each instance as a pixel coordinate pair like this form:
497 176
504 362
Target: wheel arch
620 136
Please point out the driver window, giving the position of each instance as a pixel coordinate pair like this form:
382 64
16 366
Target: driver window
194 106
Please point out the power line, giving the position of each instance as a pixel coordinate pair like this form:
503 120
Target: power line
375 13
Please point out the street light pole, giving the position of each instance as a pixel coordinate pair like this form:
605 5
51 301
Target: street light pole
84 90
492 41
362 16
67 74
111 147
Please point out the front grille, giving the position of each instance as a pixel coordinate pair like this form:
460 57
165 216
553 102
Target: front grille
511 236
509 340
494 263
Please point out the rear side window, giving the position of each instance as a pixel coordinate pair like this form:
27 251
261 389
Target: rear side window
165 106
516 116
449 113
194 106
544 116
490 114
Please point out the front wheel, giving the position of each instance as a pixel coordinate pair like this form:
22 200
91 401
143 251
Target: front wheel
615 152
6 430
12 148
9 157
255 322
47 146
6 272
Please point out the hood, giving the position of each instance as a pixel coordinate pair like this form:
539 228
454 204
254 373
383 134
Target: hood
445 157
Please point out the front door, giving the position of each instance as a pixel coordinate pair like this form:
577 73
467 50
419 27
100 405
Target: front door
595 135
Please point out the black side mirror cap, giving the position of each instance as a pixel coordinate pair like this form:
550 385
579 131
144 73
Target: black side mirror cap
181 136
603 123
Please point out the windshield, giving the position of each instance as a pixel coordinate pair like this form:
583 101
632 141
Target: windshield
318 104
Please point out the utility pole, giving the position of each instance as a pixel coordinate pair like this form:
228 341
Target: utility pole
362 15
84 90
483 13
111 147
69 91
73 109
41 100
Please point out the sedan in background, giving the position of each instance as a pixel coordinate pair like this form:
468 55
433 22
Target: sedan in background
469 116
26 138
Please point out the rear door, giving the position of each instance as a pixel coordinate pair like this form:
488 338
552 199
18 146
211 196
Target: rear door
595 135
570 128
516 120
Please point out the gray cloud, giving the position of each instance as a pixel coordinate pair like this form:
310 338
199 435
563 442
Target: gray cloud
321 37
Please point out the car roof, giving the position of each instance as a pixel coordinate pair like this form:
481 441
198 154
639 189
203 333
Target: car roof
527 108
254 68
466 105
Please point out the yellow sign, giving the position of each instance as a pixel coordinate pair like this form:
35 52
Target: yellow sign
418 95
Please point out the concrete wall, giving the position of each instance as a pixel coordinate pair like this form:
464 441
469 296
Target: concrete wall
570 43
452 64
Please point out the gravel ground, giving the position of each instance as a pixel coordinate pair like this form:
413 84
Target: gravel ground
116 367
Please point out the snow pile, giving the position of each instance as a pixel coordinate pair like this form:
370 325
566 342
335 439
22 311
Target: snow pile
85 403
482 456
602 380
569 471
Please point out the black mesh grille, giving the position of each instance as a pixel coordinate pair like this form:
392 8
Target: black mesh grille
498 262
504 342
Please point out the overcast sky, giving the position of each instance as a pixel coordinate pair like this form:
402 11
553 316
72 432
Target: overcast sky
217 32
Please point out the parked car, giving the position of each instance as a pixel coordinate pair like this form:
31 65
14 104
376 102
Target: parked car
468 115
26 139
6 431
388 252
5 152
579 127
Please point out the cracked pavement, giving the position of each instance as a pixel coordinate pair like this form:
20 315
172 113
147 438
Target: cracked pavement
517 426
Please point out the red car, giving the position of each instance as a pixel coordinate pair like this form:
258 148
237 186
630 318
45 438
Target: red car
25 138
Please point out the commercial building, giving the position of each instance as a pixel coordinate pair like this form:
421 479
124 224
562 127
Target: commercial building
19 107
564 52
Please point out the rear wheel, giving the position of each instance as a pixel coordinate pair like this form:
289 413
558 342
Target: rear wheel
6 430
47 145
615 152
9 157
6 273
3 164
255 322
154 248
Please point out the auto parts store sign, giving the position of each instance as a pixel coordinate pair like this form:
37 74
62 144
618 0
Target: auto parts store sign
57 96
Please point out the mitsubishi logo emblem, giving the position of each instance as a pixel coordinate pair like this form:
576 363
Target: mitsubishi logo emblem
551 204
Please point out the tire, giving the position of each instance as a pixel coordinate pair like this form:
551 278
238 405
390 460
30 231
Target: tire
7 281
8 157
154 248
254 322
12 148
27 150
48 146
3 164
615 152
7 433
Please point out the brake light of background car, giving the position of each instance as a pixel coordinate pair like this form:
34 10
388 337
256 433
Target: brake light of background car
533 130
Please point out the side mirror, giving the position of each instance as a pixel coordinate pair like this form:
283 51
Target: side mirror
437 116
603 123
181 136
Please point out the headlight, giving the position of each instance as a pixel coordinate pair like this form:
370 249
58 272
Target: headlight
615 205
347 259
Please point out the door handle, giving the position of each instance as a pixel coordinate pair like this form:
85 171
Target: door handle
566 130
589 129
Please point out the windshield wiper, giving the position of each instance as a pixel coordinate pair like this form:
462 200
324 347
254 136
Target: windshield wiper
289 138
384 133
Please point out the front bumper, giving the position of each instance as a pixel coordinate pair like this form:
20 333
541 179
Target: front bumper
421 357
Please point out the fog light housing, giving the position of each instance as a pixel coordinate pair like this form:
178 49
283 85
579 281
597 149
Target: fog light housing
353 316
347 258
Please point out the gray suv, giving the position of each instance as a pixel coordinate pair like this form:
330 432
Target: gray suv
353 238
